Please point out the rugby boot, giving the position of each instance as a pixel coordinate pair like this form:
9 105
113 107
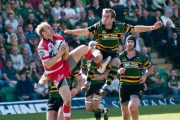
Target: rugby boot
86 86
104 64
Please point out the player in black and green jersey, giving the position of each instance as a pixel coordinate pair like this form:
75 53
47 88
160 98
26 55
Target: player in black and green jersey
55 101
93 97
107 32
131 78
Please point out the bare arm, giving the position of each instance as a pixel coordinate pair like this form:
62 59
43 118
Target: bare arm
80 32
142 28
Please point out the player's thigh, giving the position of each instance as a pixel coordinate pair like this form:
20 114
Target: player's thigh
97 55
79 52
51 115
60 114
96 101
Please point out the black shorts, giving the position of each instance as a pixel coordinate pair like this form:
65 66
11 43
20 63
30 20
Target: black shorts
105 54
126 91
54 104
94 89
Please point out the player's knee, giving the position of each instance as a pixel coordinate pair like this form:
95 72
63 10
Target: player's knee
115 62
67 102
133 109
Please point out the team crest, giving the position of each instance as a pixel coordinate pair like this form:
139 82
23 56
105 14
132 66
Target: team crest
105 36
50 47
116 30
140 93
103 31
126 64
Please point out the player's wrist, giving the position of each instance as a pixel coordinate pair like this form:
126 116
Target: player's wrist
152 28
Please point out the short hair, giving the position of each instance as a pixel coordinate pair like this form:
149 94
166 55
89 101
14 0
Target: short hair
172 70
113 13
39 29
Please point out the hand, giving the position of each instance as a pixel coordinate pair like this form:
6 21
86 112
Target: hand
60 52
157 25
68 32
121 71
66 48
74 91
142 79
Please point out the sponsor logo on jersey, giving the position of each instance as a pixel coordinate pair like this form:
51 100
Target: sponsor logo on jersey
41 53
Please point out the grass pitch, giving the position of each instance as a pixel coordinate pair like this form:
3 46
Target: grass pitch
169 112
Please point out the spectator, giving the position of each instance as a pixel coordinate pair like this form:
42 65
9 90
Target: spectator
41 92
130 13
118 8
31 20
20 31
91 37
67 37
83 17
26 9
78 8
8 33
71 14
173 48
173 83
35 43
23 44
4 3
166 17
65 19
92 19
14 23
124 3
2 26
76 41
170 7
17 59
158 5
178 28
167 32
122 42
139 41
24 89
2 44
6 12
56 10
16 11
157 17
55 19
154 83
4 56
26 57
140 6
175 17
146 53
56 28
30 34
9 74
13 43
34 3
41 13
84 25
96 8
34 74
147 21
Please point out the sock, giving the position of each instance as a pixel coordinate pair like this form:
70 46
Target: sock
89 55
66 110
91 71
97 115
112 74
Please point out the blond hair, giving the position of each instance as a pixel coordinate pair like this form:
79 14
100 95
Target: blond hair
39 29
113 13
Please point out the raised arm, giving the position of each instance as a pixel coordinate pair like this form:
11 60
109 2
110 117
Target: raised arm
80 32
142 28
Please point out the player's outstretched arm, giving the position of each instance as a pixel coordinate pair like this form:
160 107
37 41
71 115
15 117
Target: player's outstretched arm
80 32
142 28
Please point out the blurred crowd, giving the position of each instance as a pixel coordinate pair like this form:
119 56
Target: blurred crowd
21 67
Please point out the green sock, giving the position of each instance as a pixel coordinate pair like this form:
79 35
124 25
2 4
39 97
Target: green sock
112 74
91 71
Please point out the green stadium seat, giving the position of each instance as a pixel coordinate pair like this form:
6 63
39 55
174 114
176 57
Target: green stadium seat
9 94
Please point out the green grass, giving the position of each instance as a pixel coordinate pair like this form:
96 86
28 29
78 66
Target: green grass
169 112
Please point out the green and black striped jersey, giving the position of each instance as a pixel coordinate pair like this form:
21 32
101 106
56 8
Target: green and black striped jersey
108 40
134 67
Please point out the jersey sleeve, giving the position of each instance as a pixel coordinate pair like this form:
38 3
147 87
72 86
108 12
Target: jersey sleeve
93 29
146 63
128 28
43 53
